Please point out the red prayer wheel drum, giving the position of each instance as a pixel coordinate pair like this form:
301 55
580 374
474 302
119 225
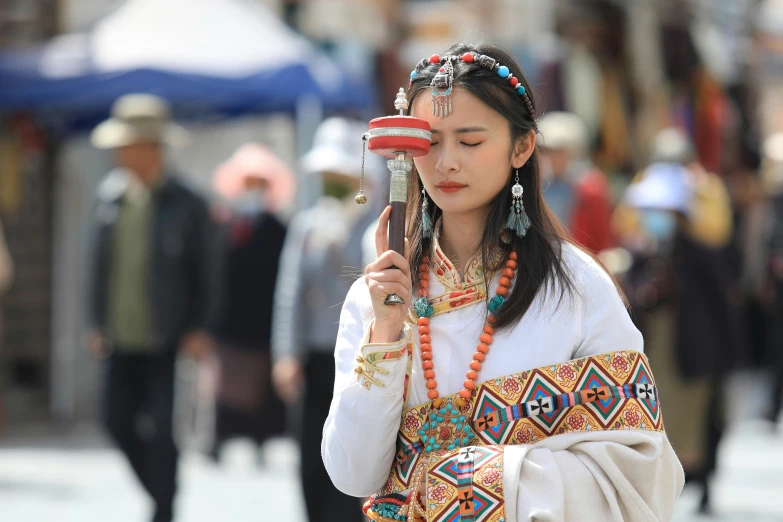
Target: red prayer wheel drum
393 135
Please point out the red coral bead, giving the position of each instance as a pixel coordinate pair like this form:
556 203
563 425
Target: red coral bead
469 385
432 394
483 348
472 375
427 365
512 255
491 319
478 356
502 291
465 394
475 365
435 58
429 374
514 82
485 338
424 321
504 282
425 339
467 57
507 272
424 330
488 329
431 384
511 264
426 356
425 347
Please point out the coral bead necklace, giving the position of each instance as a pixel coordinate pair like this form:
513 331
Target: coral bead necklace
447 427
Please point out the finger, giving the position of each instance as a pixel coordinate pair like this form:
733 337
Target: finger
389 259
393 288
382 232
391 276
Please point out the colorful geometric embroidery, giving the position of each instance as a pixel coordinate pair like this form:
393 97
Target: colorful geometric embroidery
466 485
611 391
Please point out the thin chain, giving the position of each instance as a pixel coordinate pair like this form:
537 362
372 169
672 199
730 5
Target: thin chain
361 178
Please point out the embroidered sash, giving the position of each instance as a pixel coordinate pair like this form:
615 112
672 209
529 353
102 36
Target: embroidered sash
611 391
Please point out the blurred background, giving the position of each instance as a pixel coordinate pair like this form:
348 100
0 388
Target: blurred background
663 129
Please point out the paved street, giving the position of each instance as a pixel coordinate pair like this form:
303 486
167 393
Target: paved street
78 477
85 481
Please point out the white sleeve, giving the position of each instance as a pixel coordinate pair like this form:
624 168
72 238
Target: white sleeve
605 322
629 475
359 437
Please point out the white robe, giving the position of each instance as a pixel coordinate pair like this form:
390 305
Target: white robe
601 476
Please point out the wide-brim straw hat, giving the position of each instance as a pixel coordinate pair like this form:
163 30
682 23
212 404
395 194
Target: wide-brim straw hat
138 118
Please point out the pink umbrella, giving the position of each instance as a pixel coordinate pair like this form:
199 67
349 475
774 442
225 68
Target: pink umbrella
253 161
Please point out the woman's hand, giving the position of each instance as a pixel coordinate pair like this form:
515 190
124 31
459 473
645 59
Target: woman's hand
389 274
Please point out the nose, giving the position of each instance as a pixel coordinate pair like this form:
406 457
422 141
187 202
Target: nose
448 160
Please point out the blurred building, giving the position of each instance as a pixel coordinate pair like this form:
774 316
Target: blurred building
26 191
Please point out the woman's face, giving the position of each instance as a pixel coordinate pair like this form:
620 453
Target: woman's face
470 156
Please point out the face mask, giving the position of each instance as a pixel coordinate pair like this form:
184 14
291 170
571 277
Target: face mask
337 190
659 224
251 201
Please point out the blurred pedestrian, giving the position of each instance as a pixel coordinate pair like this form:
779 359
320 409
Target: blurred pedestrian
257 185
320 261
577 192
772 174
154 287
6 278
682 287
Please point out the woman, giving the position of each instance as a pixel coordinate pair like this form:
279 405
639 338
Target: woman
518 373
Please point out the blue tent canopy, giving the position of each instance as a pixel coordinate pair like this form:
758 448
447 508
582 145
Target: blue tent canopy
73 80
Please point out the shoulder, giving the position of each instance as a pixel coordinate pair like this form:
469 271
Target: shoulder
590 278
184 190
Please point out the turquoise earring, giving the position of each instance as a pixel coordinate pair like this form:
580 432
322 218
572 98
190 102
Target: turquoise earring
518 220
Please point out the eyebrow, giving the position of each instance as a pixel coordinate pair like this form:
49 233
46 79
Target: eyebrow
464 130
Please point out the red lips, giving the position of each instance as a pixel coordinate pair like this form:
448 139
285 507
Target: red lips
450 186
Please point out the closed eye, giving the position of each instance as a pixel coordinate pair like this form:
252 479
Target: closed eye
472 144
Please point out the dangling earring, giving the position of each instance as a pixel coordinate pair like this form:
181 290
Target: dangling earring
426 221
518 220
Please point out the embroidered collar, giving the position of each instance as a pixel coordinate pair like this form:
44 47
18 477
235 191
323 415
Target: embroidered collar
445 270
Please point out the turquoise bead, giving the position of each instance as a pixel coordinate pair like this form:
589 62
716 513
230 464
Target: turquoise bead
451 447
466 428
426 425
443 410
413 74
503 71
440 419
429 448
461 418
436 446
453 421
465 440
454 412
421 432
433 416
521 89
459 427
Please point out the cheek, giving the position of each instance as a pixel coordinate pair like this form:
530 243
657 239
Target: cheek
425 166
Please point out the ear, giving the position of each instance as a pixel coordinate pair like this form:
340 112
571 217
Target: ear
523 149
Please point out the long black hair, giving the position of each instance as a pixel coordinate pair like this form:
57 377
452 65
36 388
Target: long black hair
540 262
